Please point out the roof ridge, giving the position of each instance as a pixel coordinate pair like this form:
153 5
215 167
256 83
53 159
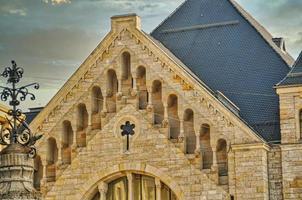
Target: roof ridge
263 32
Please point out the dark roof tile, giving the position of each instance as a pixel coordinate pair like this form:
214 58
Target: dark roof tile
234 58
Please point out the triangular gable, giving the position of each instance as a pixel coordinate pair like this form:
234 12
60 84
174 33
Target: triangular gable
228 50
167 60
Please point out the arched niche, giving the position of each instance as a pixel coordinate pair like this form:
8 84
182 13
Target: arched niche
157 102
142 89
190 137
174 123
51 159
126 72
112 87
82 124
96 100
67 141
205 146
96 107
222 161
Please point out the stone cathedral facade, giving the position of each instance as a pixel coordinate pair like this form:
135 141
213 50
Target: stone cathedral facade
216 114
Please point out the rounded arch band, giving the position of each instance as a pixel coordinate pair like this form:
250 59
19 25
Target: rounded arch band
88 190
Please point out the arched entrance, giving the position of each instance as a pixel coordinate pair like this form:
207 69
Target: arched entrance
133 186
98 183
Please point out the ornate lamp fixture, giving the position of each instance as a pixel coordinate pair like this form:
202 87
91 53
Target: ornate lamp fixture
18 130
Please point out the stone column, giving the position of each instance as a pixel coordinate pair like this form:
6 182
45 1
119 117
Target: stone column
134 87
214 158
166 116
150 104
181 130
130 185
149 89
105 103
103 188
197 149
60 151
119 88
158 188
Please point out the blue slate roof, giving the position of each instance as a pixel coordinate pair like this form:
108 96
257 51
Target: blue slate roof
33 112
229 51
294 77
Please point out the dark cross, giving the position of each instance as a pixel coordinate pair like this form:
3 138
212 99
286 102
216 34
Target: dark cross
127 130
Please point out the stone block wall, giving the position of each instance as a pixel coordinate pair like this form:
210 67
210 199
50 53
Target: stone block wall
292 171
250 172
275 173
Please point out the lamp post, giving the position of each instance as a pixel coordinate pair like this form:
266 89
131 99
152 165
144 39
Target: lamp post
18 131
16 166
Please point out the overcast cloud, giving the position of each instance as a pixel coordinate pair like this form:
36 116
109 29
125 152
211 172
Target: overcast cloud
51 38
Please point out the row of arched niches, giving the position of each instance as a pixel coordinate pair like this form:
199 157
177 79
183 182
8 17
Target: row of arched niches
166 113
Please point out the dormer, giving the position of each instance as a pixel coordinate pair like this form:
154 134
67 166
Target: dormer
290 101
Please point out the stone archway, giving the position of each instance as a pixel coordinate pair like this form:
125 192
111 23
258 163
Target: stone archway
107 175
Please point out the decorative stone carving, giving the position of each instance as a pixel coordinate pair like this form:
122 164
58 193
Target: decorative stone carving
16 173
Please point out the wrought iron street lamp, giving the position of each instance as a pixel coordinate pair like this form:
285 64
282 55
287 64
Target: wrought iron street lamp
18 130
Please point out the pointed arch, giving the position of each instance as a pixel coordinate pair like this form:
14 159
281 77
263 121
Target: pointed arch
190 137
205 146
67 141
112 88
174 123
126 72
82 124
222 161
51 159
158 106
141 83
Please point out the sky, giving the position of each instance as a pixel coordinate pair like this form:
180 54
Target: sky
51 38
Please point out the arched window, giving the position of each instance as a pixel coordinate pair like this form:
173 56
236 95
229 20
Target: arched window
222 161
112 86
189 131
174 123
143 188
38 172
51 159
157 102
67 141
96 107
205 145
126 73
141 83
82 124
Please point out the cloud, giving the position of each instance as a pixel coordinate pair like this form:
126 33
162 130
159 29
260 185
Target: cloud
8 9
57 2
20 12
